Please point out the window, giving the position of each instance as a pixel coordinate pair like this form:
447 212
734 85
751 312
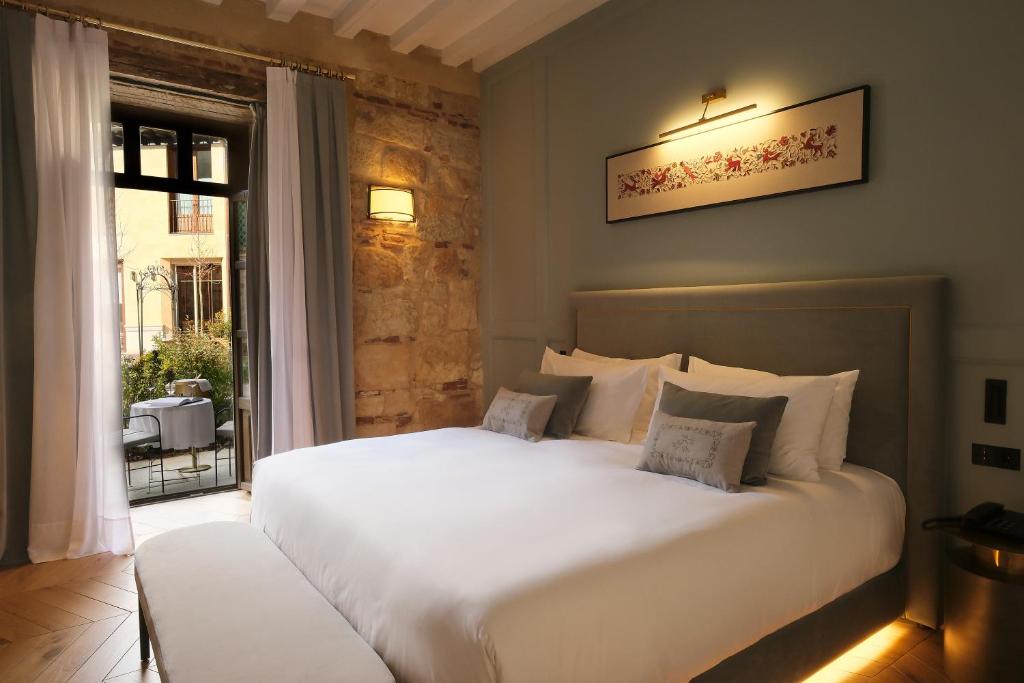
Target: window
200 294
158 152
117 142
191 214
209 158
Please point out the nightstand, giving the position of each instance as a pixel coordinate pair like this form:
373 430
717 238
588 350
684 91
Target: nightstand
984 608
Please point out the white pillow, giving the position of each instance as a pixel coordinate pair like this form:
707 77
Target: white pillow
795 451
643 416
613 399
832 451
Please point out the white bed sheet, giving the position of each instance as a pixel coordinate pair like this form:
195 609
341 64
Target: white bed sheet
462 555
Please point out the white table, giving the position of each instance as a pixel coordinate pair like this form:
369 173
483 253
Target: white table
181 426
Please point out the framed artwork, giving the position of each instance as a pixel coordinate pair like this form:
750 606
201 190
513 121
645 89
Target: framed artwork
808 146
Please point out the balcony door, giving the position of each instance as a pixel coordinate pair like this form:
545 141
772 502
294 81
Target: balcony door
175 177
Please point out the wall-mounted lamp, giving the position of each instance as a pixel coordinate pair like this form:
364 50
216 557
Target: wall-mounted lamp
391 204
707 98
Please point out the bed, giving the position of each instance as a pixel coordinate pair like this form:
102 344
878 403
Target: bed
464 555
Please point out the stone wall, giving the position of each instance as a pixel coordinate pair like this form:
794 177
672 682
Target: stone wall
417 337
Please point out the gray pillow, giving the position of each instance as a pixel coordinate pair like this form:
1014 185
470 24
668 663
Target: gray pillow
705 451
520 415
766 412
571 393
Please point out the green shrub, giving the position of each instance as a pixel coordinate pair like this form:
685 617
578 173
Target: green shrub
220 326
142 378
185 356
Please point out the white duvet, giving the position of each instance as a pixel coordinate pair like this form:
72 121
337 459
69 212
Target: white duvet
462 555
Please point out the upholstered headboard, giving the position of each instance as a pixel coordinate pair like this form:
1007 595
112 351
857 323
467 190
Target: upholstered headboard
891 329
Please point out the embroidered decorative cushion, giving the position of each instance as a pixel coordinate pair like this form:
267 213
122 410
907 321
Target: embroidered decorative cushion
766 412
703 450
523 416
795 449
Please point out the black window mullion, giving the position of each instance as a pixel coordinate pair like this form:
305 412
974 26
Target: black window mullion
132 149
185 154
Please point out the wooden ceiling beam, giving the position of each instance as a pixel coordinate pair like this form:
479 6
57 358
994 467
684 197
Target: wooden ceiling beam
541 25
284 10
410 35
353 17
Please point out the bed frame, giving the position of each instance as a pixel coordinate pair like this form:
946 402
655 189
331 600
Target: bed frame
893 330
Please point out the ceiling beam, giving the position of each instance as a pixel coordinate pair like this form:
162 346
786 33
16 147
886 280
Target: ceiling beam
284 10
353 17
510 20
515 40
410 35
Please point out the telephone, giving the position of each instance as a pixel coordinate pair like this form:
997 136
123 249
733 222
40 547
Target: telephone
993 518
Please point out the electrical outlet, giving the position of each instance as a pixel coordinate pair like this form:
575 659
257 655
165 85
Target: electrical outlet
995 456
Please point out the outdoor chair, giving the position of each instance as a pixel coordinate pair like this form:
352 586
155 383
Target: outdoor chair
224 439
143 440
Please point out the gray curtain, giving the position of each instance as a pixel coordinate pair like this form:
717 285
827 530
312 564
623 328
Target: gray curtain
327 264
327 248
257 297
17 275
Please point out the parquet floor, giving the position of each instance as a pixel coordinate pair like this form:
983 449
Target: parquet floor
901 652
77 620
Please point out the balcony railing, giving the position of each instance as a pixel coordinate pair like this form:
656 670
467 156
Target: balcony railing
193 215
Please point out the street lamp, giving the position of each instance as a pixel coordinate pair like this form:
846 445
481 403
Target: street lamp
153 279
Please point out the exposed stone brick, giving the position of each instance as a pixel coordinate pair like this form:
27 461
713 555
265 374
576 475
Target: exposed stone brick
418 351
442 359
383 366
382 314
377 268
404 167
462 305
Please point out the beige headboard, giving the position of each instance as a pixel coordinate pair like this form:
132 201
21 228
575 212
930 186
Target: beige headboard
891 329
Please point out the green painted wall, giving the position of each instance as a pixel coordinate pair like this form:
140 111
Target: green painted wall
945 195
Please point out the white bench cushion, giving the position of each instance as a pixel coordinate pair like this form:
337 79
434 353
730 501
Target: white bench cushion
224 604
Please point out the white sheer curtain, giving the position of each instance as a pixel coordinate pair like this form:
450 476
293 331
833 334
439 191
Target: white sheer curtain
291 395
79 498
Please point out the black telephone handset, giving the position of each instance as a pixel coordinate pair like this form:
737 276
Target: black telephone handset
976 517
992 518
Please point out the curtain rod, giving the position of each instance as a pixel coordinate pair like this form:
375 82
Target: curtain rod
124 28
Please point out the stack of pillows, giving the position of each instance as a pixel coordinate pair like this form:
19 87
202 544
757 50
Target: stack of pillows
719 425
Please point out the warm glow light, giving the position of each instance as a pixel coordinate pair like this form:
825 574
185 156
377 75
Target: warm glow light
391 204
867 657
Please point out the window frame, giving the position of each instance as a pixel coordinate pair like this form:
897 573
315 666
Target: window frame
132 118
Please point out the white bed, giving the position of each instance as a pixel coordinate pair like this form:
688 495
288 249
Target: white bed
462 555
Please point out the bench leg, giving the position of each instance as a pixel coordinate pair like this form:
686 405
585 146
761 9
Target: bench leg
143 635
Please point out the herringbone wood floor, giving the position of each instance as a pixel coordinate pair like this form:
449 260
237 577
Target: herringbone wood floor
76 620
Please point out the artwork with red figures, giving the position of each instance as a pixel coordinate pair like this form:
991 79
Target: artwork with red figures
775 154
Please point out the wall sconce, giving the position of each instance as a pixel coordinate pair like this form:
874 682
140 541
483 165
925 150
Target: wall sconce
707 98
391 204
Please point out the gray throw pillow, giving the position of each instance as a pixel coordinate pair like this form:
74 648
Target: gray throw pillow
705 451
571 393
520 415
766 412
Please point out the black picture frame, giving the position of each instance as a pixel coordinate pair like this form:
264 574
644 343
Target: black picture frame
864 170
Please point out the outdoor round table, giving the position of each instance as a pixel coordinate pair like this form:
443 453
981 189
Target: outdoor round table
181 426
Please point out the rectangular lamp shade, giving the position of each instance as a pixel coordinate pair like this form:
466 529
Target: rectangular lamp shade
391 204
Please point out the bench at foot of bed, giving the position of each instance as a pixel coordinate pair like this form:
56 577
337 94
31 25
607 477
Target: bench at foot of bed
220 602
